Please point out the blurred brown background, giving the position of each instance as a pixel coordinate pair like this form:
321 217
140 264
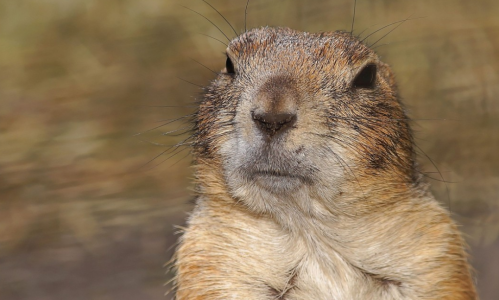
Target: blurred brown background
83 215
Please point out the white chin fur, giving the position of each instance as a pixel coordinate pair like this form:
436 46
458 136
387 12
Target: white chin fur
282 194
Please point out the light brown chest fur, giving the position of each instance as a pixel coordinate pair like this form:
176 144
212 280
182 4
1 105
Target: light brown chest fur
230 254
307 182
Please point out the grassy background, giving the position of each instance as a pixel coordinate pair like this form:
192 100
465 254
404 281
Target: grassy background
83 215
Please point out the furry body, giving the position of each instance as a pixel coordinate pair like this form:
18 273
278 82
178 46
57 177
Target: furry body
307 183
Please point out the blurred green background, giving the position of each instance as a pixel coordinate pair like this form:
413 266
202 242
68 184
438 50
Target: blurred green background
83 215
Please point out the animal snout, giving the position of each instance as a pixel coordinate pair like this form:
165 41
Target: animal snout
271 123
275 106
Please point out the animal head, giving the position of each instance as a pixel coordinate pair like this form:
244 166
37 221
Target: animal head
297 115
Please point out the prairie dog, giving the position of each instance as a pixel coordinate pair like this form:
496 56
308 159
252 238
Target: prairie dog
307 182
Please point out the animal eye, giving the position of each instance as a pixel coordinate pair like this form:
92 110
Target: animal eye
366 78
229 66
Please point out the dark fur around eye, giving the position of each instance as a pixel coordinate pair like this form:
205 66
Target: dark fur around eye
366 79
229 66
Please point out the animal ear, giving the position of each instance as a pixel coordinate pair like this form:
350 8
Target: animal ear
366 78
229 66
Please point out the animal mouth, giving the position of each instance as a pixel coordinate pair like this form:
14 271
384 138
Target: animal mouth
276 170
275 173
279 181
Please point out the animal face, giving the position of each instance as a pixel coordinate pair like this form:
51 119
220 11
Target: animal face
303 116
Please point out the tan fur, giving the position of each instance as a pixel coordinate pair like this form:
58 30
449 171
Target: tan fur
334 207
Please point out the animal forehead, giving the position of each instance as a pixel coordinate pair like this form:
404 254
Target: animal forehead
276 41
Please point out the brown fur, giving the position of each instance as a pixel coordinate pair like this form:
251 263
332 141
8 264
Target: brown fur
333 208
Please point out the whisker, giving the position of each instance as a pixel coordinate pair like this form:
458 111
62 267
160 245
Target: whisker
208 21
169 106
386 119
436 179
245 15
434 172
178 119
182 158
440 173
212 38
174 148
353 18
380 45
172 131
391 24
167 123
235 32
216 73
199 86
372 45
360 33
177 151
165 145
187 130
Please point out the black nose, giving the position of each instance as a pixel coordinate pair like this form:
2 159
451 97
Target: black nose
274 123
